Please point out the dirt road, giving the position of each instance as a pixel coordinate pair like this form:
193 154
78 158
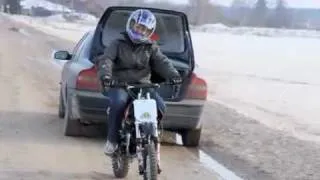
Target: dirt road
32 145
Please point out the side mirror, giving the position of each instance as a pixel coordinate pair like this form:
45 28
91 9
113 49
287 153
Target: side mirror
62 55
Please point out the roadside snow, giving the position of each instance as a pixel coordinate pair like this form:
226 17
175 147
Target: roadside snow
81 18
28 4
274 80
56 26
270 78
69 14
268 32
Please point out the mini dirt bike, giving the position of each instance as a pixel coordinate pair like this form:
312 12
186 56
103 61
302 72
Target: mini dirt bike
139 134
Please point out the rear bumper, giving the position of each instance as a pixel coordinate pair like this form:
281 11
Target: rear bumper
185 114
92 106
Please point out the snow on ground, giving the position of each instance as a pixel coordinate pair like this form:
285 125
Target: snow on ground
55 25
28 4
269 32
69 14
81 18
273 79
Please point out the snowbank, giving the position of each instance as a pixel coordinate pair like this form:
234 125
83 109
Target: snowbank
73 17
55 26
268 32
68 14
28 4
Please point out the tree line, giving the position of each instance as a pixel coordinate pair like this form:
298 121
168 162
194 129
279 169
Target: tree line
261 15
204 12
241 13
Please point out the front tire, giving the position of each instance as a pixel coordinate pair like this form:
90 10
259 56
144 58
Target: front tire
120 165
150 162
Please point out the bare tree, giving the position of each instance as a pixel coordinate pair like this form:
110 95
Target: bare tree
12 6
239 9
258 16
281 16
203 11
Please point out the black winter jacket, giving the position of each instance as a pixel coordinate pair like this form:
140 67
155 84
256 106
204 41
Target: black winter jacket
133 63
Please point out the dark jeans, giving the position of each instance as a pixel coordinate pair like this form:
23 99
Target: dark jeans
119 99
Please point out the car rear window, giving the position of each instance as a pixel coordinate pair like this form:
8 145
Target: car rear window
169 30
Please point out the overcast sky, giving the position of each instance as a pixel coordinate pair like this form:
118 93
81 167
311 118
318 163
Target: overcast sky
291 3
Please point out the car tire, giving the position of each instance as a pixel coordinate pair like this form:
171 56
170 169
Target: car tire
72 127
191 138
62 109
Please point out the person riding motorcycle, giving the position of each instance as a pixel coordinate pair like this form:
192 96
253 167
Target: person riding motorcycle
132 58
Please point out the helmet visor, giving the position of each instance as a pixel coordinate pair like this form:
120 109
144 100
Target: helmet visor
141 29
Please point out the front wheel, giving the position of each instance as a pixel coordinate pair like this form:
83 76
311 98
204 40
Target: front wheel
120 165
150 162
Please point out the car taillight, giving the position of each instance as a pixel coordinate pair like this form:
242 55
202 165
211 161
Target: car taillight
87 80
197 88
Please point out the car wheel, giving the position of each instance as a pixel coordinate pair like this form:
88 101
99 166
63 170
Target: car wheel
72 127
61 106
191 138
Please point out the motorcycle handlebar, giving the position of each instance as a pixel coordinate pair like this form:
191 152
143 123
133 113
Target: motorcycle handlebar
139 85
128 87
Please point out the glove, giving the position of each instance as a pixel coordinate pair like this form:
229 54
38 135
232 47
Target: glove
176 80
107 82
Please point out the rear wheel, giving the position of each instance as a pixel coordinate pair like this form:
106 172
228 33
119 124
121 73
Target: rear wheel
72 127
150 162
62 109
191 138
120 165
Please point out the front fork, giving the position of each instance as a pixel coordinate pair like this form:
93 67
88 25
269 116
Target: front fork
140 143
